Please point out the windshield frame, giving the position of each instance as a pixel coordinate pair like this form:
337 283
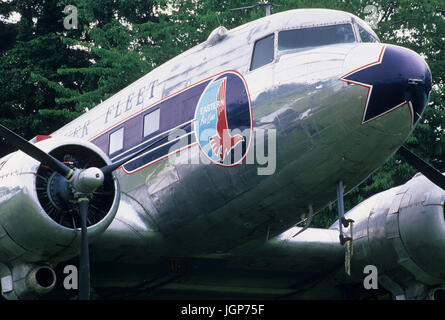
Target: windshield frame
365 27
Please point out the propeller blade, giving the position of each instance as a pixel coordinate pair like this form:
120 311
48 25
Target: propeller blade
31 150
84 274
427 170
110 168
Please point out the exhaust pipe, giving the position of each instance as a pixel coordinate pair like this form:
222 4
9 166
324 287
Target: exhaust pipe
26 282
437 294
41 280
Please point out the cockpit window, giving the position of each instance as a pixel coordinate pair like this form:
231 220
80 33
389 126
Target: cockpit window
263 52
314 37
365 35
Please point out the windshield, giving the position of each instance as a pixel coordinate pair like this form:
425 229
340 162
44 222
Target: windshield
316 36
365 35
263 52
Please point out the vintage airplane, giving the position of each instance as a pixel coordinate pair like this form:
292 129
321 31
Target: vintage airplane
190 181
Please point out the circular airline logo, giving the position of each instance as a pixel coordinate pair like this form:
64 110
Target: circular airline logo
223 125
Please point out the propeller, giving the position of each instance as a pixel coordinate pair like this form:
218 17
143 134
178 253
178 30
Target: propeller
110 168
84 274
31 150
83 183
426 169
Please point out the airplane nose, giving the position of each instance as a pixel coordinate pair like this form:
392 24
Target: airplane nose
411 78
398 77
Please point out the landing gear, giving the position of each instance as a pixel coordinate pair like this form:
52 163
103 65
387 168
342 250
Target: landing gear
308 220
343 222
347 223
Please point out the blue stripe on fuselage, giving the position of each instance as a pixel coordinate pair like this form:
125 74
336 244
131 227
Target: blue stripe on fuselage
174 111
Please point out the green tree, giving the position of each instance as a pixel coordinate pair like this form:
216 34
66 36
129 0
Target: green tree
110 35
32 54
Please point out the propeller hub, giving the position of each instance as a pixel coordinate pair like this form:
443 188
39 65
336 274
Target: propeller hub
88 180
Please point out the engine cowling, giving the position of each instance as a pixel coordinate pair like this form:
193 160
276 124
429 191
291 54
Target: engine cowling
39 220
401 231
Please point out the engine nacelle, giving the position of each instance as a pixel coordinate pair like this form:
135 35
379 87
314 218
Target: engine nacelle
37 220
401 231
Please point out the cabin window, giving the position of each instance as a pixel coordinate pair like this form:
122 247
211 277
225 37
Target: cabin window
151 122
315 37
116 141
365 35
263 52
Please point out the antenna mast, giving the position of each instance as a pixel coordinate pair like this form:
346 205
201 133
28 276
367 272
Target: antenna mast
267 5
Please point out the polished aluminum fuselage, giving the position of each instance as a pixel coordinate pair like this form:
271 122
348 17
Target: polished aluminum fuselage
310 129
199 209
